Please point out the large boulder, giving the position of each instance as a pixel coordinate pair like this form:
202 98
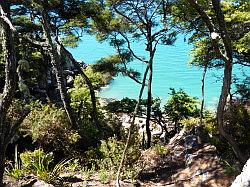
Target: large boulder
243 180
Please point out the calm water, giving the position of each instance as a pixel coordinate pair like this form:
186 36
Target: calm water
170 70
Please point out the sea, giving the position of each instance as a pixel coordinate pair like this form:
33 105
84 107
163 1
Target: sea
171 69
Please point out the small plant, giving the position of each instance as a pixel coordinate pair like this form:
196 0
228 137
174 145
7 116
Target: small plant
132 173
16 171
189 123
160 149
231 170
39 164
180 106
73 165
87 173
103 176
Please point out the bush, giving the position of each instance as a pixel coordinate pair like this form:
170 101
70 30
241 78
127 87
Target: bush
161 150
15 170
110 153
49 128
180 106
126 105
40 164
238 125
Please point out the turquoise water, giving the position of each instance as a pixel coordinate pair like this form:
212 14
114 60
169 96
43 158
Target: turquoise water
170 70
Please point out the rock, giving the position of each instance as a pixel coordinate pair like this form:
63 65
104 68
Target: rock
179 151
190 158
243 180
191 142
40 183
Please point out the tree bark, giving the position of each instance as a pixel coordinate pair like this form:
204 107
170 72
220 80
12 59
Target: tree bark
10 78
131 128
94 113
203 92
55 61
228 60
149 105
227 80
2 163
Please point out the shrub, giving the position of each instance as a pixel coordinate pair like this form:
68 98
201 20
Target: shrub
160 149
15 171
126 105
180 106
49 128
110 153
40 164
238 125
112 150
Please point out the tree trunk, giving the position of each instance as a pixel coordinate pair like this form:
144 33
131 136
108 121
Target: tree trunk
203 92
131 128
221 110
2 163
149 105
94 113
10 78
227 80
227 57
55 61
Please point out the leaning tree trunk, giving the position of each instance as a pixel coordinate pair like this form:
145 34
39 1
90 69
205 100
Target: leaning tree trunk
131 128
6 30
221 110
227 57
55 61
227 80
94 113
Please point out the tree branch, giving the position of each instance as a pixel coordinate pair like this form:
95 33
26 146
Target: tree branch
3 15
130 49
209 25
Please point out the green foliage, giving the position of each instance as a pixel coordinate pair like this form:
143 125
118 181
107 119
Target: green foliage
80 98
88 172
236 15
73 165
117 63
98 79
103 176
82 105
16 170
126 105
40 164
49 127
15 111
110 153
37 160
190 122
70 41
160 149
231 169
238 118
107 64
243 91
180 106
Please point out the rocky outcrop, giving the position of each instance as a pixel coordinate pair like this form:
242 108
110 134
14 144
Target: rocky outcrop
243 180
189 163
